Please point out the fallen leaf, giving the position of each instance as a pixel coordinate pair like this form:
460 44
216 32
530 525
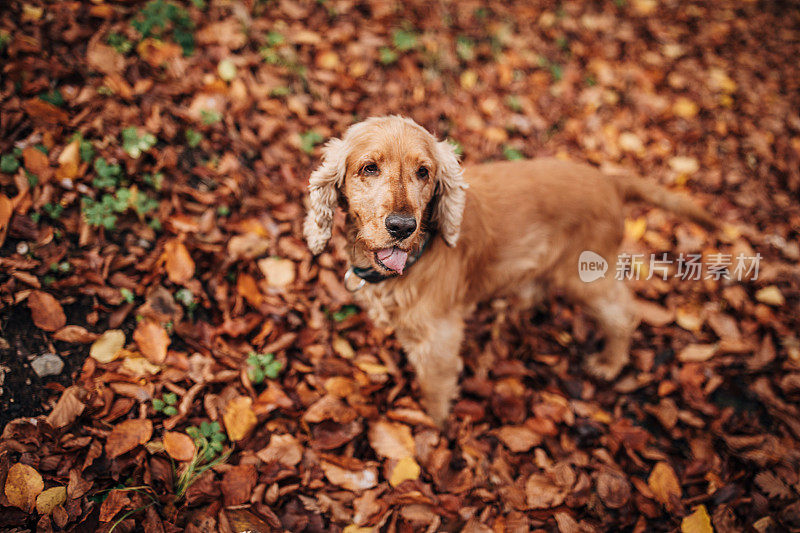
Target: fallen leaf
685 108
179 446
239 418
50 499
127 435
342 347
46 311
358 480
684 165
284 449
613 489
152 340
518 438
390 439
238 483
654 314
75 335
178 262
67 409
23 485
106 348
405 469
664 483
116 501
634 229
542 493
697 522
69 161
770 295
697 353
278 272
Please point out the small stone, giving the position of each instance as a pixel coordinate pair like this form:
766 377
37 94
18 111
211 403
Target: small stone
47 365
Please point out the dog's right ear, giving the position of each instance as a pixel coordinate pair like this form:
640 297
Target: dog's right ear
323 194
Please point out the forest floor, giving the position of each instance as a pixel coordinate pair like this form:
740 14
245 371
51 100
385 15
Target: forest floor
173 358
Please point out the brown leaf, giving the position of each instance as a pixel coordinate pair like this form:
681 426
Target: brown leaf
39 110
278 272
664 483
116 501
104 58
68 408
75 335
178 262
37 163
773 486
329 407
46 311
654 314
392 440
239 418
613 489
179 446
152 340
697 353
23 485
518 438
237 484
128 435
284 449
542 493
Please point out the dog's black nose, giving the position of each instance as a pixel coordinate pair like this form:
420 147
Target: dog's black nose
400 226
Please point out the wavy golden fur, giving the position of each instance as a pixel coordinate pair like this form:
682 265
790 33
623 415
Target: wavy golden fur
507 229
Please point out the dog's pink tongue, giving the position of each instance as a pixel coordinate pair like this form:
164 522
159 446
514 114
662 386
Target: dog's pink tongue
393 258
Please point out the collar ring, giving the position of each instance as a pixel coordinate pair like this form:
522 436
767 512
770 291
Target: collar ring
347 276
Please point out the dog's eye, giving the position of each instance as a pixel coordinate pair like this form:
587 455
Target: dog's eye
370 169
422 173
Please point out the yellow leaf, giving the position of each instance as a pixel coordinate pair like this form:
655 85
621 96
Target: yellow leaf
683 164
106 348
23 485
685 108
664 483
688 318
372 368
69 161
352 528
697 522
278 272
406 468
771 296
343 348
139 366
469 78
634 229
239 418
50 499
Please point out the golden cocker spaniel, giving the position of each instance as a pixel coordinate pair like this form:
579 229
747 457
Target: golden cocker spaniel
430 239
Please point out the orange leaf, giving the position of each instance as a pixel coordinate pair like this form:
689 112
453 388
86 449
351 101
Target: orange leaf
390 439
23 485
179 446
46 311
239 418
36 163
128 435
152 340
248 289
178 262
75 334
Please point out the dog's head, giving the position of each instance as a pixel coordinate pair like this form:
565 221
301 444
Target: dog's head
396 181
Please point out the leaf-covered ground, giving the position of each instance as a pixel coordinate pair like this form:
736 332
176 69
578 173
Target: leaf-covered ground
154 159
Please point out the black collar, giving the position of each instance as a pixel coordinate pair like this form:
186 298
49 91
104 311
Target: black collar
370 275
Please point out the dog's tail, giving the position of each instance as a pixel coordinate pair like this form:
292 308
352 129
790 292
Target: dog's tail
633 187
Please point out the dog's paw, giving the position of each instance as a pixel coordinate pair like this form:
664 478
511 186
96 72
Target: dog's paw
600 366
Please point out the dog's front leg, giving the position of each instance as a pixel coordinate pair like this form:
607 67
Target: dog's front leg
432 347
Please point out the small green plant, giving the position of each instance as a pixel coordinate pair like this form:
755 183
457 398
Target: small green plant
9 163
555 69
193 138
223 210
5 38
309 140
128 296
53 96
185 297
119 42
208 439
101 213
262 366
53 210
155 181
108 176
512 154
344 313
465 48
158 17
275 38
144 204
404 40
281 91
457 148
210 116
135 144
387 56
33 179
166 404
513 102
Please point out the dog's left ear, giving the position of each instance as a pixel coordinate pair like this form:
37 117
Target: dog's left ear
323 195
452 196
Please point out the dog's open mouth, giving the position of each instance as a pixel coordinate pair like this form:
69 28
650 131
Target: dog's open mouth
393 259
